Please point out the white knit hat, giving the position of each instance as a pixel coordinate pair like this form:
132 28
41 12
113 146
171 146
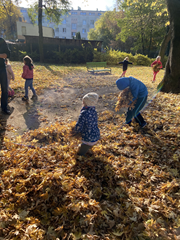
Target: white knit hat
90 99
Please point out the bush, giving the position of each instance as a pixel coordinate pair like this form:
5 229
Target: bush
113 56
142 60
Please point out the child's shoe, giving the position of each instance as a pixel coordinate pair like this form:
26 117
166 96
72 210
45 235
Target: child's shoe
25 98
11 93
143 124
34 97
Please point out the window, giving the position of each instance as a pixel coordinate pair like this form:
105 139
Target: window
74 25
83 13
73 34
23 10
23 30
92 22
84 22
99 14
92 14
64 21
64 29
73 13
64 37
83 30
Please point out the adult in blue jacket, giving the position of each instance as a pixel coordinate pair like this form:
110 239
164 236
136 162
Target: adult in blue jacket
140 93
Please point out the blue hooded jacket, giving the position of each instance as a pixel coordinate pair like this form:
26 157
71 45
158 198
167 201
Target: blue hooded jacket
137 88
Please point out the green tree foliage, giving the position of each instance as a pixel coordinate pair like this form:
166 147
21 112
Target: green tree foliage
144 21
78 35
52 10
106 30
9 14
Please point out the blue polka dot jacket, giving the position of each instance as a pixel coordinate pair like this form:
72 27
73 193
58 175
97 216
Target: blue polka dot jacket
87 124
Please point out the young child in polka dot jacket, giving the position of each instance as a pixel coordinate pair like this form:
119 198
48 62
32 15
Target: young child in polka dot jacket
87 124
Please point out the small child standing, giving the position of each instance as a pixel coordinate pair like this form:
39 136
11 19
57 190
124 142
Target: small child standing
87 124
156 65
28 75
10 75
139 93
125 66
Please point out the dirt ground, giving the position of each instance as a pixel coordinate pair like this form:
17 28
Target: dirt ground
58 104
53 105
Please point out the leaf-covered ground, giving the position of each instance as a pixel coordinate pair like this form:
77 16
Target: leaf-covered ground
127 187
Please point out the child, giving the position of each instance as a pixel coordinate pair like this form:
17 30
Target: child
87 124
10 75
140 93
125 66
156 65
28 75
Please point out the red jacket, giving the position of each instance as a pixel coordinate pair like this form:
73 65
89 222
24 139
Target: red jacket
27 73
159 63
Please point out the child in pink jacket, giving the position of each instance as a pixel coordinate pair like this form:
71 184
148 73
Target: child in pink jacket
28 75
156 65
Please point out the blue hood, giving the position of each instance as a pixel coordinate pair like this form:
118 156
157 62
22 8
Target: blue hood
122 83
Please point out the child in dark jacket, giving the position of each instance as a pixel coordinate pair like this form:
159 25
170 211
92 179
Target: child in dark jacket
140 93
125 66
87 124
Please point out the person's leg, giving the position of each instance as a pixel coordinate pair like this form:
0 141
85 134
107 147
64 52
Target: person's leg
124 73
31 87
83 149
9 88
26 88
154 76
139 119
4 89
131 113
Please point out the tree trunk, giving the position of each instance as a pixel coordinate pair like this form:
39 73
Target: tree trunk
164 44
40 31
171 80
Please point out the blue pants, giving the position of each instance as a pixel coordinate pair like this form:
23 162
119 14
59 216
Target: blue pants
4 89
29 83
135 112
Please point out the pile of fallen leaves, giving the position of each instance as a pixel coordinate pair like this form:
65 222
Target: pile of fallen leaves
125 100
127 187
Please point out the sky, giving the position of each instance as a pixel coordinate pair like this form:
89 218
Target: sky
101 5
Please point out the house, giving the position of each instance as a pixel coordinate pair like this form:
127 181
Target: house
24 28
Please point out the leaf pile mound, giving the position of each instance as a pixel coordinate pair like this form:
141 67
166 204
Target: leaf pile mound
127 187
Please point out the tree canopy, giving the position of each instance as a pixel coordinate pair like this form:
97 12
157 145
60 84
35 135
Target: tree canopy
145 22
106 30
9 14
